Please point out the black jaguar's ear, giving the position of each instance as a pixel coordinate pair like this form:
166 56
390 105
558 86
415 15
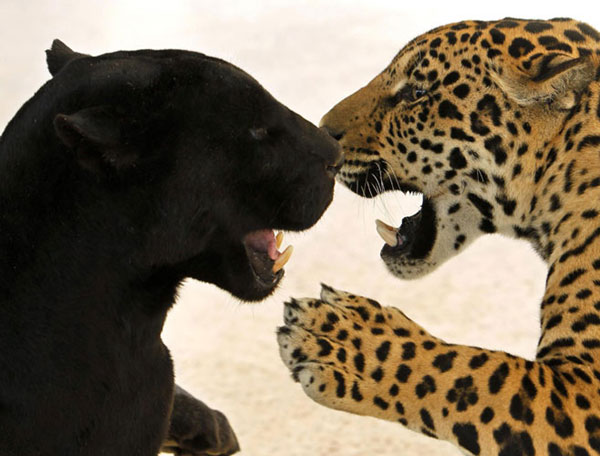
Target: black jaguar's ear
548 78
96 136
59 55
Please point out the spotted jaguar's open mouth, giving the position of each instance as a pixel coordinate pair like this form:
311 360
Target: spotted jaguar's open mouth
415 236
264 257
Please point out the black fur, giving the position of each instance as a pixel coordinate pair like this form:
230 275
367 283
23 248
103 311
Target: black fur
123 175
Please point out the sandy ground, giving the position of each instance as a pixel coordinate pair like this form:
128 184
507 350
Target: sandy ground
309 54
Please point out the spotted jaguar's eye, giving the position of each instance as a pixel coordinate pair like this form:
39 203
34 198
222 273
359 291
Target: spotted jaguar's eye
412 93
418 93
408 94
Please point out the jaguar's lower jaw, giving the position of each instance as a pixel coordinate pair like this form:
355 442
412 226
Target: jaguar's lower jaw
411 244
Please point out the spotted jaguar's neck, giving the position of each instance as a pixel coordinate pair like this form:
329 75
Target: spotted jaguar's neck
557 186
549 182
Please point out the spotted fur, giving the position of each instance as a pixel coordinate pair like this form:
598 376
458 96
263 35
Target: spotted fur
497 124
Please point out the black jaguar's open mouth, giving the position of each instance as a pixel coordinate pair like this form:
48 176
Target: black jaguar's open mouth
415 236
264 257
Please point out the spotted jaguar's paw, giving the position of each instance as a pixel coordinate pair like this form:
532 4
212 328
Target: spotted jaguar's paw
336 348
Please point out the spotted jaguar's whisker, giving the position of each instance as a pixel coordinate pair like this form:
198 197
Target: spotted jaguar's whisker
381 178
394 182
381 189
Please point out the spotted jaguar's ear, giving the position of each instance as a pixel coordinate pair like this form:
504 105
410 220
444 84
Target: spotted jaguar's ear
555 79
59 55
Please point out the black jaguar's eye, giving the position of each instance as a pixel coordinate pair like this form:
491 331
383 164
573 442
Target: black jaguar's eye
259 133
408 93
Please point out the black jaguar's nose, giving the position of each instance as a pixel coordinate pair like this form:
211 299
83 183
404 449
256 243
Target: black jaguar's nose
334 165
335 168
334 158
335 134
320 143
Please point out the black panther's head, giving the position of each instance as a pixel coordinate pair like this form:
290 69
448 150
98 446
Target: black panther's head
208 160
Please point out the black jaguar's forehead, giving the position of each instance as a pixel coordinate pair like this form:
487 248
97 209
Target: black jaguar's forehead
97 73
155 77
143 67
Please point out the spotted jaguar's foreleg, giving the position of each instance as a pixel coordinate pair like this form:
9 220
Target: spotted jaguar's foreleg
351 354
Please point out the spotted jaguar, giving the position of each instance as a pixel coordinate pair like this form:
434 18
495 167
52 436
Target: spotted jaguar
497 125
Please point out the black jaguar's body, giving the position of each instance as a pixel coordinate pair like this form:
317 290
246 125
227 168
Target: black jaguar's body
123 175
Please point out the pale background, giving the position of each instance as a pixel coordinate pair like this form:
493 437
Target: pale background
309 54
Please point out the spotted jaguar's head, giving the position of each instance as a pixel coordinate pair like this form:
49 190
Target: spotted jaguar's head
459 116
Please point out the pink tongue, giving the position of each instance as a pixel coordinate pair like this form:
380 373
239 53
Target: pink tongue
263 241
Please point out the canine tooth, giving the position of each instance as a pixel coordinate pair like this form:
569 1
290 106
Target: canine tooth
283 259
279 239
387 233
